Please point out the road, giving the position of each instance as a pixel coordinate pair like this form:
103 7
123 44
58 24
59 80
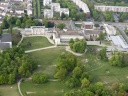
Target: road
18 84
28 51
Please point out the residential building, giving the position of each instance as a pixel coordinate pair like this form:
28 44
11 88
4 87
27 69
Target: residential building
47 2
110 30
111 8
5 41
64 11
55 7
83 6
19 10
48 13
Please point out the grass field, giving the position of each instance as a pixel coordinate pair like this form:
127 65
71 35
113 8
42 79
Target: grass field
46 59
9 90
14 31
103 72
51 88
36 42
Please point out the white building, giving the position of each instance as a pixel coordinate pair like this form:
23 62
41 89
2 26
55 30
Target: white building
19 11
48 13
110 30
64 10
37 30
112 8
55 7
47 2
83 6
62 37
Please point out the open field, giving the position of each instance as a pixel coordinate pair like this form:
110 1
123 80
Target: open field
36 42
46 60
52 88
9 90
102 71
14 31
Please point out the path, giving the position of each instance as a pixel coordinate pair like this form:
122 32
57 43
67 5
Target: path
68 49
28 51
18 84
20 41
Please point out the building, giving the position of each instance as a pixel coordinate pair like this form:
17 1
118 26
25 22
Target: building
55 7
83 6
5 41
64 11
37 30
48 13
19 10
110 30
47 2
119 41
87 26
63 37
112 8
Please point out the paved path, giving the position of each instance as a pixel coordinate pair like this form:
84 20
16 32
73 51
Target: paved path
76 54
20 41
18 84
28 51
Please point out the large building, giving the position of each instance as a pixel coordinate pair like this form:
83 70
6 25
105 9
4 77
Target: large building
83 6
63 37
64 11
47 2
87 26
110 30
5 41
55 7
48 13
112 8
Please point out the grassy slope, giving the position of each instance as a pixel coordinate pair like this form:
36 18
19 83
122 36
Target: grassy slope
36 42
47 60
9 90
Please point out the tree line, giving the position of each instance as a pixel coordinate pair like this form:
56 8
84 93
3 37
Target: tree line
15 64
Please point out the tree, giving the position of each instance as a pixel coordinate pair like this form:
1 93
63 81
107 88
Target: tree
1 30
11 79
18 22
11 28
45 22
77 72
103 54
61 73
39 78
61 26
85 82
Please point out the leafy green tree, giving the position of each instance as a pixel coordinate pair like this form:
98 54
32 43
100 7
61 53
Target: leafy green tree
61 26
85 83
77 72
103 54
18 22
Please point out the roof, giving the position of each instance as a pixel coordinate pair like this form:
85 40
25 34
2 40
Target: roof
88 23
6 38
4 46
119 41
92 32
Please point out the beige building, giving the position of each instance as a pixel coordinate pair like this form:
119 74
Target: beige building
112 8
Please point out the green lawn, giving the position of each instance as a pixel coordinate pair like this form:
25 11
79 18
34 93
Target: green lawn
103 72
46 59
52 88
36 42
9 90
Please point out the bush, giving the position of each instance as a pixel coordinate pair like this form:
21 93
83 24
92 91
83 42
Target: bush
39 78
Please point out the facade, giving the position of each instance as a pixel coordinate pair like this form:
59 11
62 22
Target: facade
83 6
112 8
48 13
110 30
37 30
5 41
47 2
19 11
62 37
64 10
29 7
55 7
87 26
